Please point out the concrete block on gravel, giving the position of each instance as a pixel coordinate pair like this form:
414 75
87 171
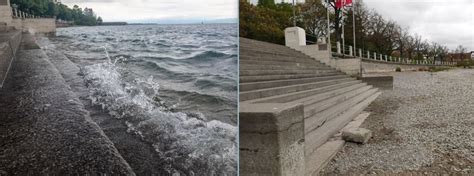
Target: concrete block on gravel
357 135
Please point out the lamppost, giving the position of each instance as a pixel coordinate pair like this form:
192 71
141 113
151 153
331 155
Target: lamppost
294 14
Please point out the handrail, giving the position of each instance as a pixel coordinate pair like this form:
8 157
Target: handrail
348 52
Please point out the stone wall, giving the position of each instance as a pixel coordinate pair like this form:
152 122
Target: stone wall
36 25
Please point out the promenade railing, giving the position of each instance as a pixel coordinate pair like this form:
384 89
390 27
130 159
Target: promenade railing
348 51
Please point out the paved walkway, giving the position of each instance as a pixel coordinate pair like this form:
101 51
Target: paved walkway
425 125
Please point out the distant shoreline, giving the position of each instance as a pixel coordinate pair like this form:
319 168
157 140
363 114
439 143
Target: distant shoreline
151 24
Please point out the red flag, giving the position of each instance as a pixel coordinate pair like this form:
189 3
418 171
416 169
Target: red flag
342 3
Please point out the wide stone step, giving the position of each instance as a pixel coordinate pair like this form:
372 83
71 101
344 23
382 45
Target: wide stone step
270 48
303 94
261 93
49 130
319 136
244 79
288 53
315 105
286 59
278 63
314 121
284 67
260 45
283 72
279 83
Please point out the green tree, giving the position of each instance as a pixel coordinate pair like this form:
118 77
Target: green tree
47 8
99 20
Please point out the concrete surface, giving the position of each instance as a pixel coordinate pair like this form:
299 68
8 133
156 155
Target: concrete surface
271 139
36 25
44 128
9 44
278 79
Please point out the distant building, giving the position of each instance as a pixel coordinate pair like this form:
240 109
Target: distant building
472 55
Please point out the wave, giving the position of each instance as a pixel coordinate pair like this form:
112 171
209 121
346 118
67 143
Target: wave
188 143
209 56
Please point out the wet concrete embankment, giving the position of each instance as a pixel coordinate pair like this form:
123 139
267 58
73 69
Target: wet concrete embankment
44 127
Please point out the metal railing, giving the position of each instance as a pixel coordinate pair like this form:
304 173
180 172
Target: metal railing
349 52
22 15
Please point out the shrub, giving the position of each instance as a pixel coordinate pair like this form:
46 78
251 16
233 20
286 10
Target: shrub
398 69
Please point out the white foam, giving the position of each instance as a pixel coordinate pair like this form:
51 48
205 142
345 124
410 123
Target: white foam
189 144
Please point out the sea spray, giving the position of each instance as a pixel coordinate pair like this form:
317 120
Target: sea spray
187 142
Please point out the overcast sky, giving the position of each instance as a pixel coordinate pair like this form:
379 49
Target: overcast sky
150 10
448 22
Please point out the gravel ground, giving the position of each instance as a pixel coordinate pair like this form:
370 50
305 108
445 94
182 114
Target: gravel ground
424 126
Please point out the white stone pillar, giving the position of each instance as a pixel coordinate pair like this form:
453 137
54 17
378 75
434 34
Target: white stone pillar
375 56
368 54
295 37
360 53
381 57
350 51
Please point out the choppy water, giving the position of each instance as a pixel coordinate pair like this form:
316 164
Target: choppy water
174 86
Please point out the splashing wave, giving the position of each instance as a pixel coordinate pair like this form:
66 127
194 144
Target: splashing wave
187 142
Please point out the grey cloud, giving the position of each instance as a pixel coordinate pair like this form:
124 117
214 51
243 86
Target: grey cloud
449 22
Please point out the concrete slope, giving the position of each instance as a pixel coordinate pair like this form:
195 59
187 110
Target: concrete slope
44 128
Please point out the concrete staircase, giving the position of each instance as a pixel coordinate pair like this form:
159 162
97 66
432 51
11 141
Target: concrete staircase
271 73
44 126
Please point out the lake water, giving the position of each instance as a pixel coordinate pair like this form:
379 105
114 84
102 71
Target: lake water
174 86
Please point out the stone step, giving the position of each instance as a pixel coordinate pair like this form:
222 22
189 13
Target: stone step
283 72
279 83
313 121
260 45
262 93
57 125
322 156
303 94
244 79
271 49
275 57
320 135
315 104
284 67
279 63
